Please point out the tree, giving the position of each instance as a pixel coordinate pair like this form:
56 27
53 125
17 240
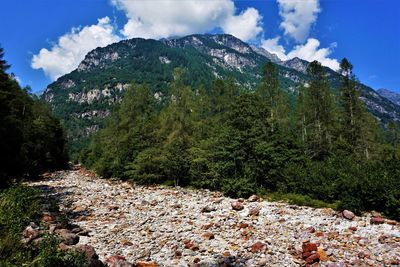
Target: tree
317 113
274 98
358 128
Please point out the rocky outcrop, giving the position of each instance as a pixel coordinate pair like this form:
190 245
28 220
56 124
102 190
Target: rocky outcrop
163 226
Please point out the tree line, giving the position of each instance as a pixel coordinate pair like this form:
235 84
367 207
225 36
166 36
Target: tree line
325 146
31 138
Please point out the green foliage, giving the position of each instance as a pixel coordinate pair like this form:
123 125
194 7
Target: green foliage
243 143
32 140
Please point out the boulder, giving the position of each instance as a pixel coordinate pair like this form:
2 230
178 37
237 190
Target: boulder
377 220
309 247
236 205
67 237
348 214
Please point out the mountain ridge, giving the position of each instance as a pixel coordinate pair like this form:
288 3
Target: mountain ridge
83 98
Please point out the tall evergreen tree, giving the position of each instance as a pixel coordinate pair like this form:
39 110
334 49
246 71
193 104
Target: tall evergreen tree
275 99
358 127
317 115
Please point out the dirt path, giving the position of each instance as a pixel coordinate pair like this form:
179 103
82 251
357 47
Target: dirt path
181 227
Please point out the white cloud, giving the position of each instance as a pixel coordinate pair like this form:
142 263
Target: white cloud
166 18
245 26
298 17
71 48
309 51
272 46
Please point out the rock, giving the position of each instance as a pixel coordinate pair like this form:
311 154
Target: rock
91 257
348 215
47 218
391 222
377 220
258 247
310 229
243 225
322 254
253 198
146 264
208 236
118 261
353 228
67 237
312 258
31 232
255 211
208 208
309 247
207 226
236 205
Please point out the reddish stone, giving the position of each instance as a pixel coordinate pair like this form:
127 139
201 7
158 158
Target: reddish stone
348 214
310 230
258 246
312 258
377 220
208 236
196 260
309 247
207 226
48 218
319 234
243 225
353 228
146 264
237 205
177 254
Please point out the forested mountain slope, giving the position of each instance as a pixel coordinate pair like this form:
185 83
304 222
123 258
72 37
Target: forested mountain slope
84 97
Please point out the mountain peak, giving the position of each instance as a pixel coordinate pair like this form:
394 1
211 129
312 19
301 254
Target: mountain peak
391 95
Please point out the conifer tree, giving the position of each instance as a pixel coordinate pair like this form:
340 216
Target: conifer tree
317 115
274 98
358 127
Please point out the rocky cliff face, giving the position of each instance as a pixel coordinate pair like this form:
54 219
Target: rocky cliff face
84 97
392 96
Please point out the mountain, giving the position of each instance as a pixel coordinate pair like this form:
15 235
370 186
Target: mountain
83 98
392 96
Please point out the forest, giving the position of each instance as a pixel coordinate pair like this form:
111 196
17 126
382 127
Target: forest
321 149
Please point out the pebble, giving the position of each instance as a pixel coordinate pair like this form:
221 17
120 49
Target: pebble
165 226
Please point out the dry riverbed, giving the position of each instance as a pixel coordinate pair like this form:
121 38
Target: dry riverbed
182 227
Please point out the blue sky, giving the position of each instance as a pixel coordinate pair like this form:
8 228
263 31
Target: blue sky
367 32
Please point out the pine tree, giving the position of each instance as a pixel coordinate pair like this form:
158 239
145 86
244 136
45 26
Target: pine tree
359 128
274 98
316 111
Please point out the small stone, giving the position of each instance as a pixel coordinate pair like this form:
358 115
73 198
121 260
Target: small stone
177 254
47 218
322 254
312 258
353 228
208 236
377 220
146 264
348 215
119 261
319 234
391 222
236 205
208 208
243 225
258 246
207 226
254 211
196 260
309 247
310 229
253 198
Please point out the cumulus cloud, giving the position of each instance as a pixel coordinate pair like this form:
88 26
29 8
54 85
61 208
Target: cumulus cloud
309 51
166 18
245 26
272 46
298 17
71 48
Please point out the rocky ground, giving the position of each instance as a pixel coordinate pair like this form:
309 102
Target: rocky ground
162 226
